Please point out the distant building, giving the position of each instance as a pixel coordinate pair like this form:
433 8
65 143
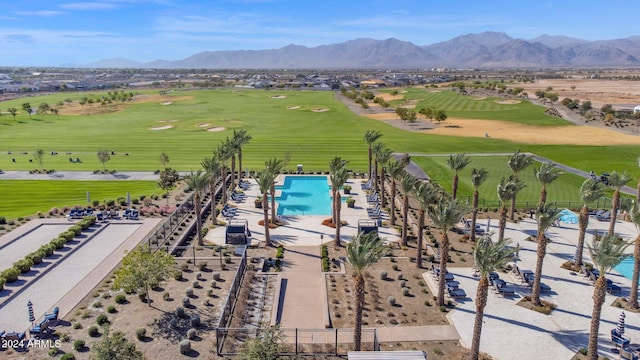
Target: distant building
636 110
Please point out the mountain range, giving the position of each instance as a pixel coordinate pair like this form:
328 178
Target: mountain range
483 50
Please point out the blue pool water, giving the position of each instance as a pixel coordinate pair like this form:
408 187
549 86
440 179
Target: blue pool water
304 195
568 216
625 268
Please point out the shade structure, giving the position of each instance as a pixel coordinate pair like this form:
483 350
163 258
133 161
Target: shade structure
620 327
32 317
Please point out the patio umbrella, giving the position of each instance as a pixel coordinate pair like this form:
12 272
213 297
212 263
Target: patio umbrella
620 327
32 317
128 199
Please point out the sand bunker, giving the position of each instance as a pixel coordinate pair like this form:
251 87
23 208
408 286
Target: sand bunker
167 103
293 107
216 128
319 109
508 102
202 125
164 127
435 91
174 120
277 96
476 98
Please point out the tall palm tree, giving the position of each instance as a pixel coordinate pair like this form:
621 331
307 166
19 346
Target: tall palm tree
425 195
507 190
395 168
545 174
590 191
545 217
517 162
242 138
265 179
233 145
633 296
370 137
338 177
197 182
407 183
444 215
478 176
383 156
276 166
606 253
223 153
363 251
616 181
488 257
456 163
377 148
211 166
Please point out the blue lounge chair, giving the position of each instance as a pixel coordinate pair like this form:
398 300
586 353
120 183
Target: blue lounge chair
606 216
40 329
619 340
126 213
367 185
457 293
52 315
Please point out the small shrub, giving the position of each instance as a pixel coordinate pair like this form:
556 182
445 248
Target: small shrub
184 267
186 302
405 291
583 351
121 299
199 275
111 309
189 292
97 304
102 319
383 275
93 331
173 323
177 275
196 285
403 283
399 277
185 347
142 297
213 284
191 334
180 312
166 296
421 283
210 292
395 267
77 325
443 308
427 303
216 276
68 356
53 351
141 333
202 266
195 321
78 345
391 300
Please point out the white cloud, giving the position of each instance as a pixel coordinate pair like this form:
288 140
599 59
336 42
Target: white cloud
89 6
41 13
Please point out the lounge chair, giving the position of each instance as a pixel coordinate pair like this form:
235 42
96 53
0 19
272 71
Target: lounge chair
606 216
614 289
133 215
40 329
452 284
52 316
457 293
126 213
367 185
620 341
627 354
113 214
15 336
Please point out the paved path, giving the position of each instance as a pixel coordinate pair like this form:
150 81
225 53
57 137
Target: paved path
79 175
302 291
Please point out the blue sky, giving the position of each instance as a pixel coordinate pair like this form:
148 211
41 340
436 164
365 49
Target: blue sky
54 32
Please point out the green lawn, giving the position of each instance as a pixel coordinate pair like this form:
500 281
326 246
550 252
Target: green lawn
26 197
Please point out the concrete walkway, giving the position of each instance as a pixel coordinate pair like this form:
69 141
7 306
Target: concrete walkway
301 294
79 175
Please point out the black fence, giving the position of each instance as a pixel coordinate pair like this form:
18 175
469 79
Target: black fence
227 310
602 203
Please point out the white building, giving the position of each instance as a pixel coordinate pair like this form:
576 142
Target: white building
636 110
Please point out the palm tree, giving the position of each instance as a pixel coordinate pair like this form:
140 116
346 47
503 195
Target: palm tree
445 215
223 153
407 183
590 191
633 296
197 182
456 163
242 138
338 177
265 179
363 251
276 166
617 181
395 168
507 190
478 176
425 194
606 253
212 166
370 137
383 156
233 146
488 257
517 162
377 148
545 217
545 174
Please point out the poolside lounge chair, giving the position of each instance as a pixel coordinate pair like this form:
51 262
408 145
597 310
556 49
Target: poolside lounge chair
367 185
606 216
613 288
457 293
133 215
627 353
126 213
620 341
40 329
15 336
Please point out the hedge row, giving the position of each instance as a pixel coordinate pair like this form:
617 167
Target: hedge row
24 265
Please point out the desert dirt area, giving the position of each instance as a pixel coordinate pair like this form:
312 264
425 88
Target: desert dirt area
75 108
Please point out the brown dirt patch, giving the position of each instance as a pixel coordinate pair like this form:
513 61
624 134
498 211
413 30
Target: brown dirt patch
217 128
570 134
508 102
76 109
320 110
163 127
388 97
476 98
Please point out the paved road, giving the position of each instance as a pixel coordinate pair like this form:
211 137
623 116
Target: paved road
79 175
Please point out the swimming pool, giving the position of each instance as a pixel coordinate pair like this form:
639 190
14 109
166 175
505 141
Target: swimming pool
568 216
625 268
304 195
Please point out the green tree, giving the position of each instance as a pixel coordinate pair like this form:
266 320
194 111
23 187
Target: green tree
241 138
268 345
616 181
103 157
143 269
264 179
382 157
276 166
517 162
115 346
478 177
338 177
370 137
212 166
444 215
27 108
164 159
233 147
545 174
363 251
168 178
43 108
606 253
395 168
488 257
633 296
407 183
545 216
456 163
440 115
506 191
13 111
39 156
425 195
590 191
197 182
223 153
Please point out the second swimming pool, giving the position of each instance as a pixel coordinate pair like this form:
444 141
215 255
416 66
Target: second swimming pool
304 195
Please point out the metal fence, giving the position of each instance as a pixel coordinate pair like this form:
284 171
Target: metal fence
601 203
337 341
227 310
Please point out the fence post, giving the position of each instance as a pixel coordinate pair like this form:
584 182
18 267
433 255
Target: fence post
336 342
296 341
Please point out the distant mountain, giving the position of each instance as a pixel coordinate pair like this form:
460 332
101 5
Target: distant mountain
483 50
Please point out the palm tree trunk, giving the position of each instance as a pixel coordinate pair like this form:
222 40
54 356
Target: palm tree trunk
224 185
542 251
382 192
214 213
454 186
265 210
633 296
333 206
357 331
583 222
502 223
392 213
543 197
614 211
474 215
338 209
240 177
512 209
369 157
420 238
233 173
481 302
198 206
272 190
444 256
598 299
405 220
375 171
